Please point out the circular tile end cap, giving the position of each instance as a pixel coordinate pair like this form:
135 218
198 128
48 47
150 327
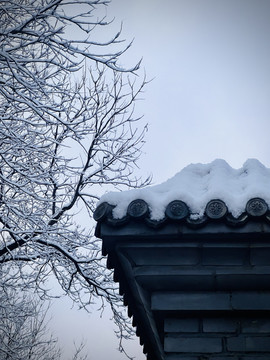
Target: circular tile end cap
138 209
216 209
256 207
102 211
197 223
177 210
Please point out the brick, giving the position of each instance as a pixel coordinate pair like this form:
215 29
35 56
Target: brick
193 345
190 301
251 300
224 357
258 344
249 344
165 256
149 278
236 344
258 325
260 256
181 325
219 325
224 256
243 282
183 357
254 357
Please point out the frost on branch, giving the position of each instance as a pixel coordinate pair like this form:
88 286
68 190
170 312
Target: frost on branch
67 127
24 328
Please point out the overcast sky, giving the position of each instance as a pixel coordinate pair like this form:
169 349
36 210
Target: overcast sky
210 98
210 95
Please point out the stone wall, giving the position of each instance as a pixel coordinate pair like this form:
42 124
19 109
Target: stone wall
197 295
217 338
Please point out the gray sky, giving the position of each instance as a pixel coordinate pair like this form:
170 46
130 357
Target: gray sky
210 95
209 99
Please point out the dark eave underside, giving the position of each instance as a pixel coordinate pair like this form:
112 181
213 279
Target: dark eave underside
150 261
127 244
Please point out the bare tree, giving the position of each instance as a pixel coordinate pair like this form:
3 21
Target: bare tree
23 329
23 333
66 128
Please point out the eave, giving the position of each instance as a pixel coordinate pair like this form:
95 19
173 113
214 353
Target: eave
157 266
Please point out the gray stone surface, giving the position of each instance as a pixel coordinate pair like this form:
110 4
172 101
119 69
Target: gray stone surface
249 344
256 300
237 343
258 343
186 344
220 325
190 301
181 325
260 256
258 325
164 256
180 357
224 256
254 357
200 284
223 357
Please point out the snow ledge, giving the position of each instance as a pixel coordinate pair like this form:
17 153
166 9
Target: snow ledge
197 186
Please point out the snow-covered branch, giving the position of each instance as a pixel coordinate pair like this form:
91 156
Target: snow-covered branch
67 127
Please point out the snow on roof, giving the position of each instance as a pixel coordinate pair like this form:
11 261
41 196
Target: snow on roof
196 185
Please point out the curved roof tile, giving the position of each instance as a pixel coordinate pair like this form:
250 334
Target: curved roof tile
196 195
178 211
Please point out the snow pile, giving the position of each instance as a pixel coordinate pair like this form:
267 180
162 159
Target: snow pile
196 185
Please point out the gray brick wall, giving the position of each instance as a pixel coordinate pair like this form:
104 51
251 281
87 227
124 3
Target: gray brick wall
211 296
217 338
237 326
